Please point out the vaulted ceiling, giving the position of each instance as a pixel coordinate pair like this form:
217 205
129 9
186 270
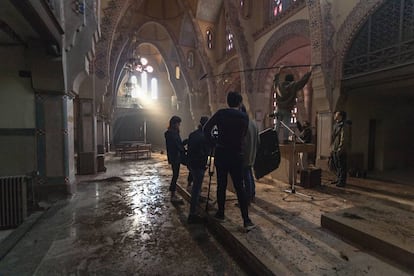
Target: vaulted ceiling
161 29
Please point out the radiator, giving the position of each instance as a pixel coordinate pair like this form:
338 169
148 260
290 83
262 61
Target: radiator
13 201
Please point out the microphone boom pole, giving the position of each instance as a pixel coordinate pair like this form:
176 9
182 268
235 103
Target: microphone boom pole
206 76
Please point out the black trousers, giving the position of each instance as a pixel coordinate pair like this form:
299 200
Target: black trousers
340 160
176 171
230 163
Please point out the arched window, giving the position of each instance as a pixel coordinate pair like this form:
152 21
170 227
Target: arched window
229 40
154 88
209 38
277 7
144 83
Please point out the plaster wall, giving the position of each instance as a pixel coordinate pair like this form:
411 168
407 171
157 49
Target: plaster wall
18 155
47 71
340 11
393 129
17 109
17 115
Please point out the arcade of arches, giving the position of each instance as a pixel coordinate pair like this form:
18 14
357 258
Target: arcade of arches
66 92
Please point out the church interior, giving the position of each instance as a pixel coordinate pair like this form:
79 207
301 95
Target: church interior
80 79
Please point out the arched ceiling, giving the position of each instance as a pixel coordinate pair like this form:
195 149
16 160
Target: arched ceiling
162 9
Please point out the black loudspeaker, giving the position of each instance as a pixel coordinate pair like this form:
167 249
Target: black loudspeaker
268 153
310 177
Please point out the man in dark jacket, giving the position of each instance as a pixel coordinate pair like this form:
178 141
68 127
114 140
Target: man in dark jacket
232 126
286 99
339 147
175 150
198 152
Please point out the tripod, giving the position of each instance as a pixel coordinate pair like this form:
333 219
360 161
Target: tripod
210 174
292 189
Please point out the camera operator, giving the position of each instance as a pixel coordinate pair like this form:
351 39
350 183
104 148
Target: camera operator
232 127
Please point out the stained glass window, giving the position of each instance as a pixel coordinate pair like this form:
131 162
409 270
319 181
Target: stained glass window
229 41
277 7
209 39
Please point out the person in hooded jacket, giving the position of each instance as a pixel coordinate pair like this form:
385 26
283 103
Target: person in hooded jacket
286 99
198 152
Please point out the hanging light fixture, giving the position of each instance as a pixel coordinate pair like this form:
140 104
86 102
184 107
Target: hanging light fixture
139 64
135 64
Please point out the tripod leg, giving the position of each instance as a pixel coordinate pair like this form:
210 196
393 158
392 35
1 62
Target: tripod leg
210 174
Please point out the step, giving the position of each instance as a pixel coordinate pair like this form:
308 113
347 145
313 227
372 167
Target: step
383 229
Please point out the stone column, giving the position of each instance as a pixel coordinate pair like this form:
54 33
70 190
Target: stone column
100 135
107 137
55 149
87 137
321 110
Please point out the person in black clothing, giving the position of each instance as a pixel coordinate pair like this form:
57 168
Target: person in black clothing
197 153
175 150
339 146
232 126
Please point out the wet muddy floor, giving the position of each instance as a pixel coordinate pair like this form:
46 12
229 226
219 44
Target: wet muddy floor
122 222
123 225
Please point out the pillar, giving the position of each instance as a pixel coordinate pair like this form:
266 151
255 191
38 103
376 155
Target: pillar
87 137
55 148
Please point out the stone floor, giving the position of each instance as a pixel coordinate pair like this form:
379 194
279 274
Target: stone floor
121 222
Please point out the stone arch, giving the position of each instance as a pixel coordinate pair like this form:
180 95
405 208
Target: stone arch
77 82
299 28
164 49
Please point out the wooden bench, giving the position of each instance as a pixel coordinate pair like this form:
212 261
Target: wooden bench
135 151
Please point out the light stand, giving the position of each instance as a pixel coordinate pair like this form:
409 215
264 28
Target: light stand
293 165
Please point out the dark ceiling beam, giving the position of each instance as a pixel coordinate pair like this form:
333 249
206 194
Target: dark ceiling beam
4 27
41 19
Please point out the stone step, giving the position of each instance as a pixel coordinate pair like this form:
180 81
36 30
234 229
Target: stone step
383 229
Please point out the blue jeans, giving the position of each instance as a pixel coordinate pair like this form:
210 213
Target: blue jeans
176 171
198 176
230 163
249 183
284 116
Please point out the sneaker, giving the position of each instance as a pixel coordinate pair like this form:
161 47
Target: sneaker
249 226
194 219
219 216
